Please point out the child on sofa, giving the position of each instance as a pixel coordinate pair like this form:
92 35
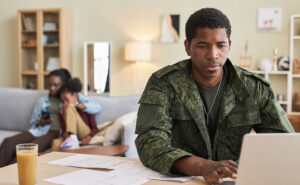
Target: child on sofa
74 121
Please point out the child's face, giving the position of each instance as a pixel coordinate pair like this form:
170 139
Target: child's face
69 98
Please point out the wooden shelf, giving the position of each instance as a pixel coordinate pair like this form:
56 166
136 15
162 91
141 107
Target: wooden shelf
272 72
283 102
28 46
51 46
29 31
295 16
296 37
29 72
51 31
296 75
295 113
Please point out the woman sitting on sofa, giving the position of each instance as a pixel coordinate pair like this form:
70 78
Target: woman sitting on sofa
45 124
74 121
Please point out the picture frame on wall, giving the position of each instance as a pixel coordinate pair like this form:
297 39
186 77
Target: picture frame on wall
170 28
269 19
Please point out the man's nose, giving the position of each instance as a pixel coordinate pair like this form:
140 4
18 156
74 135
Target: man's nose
212 53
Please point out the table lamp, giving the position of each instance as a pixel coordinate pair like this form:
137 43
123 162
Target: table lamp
137 51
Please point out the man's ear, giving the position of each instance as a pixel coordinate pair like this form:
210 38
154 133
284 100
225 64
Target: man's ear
229 44
187 47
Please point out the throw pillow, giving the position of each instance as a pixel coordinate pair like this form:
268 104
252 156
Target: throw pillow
115 133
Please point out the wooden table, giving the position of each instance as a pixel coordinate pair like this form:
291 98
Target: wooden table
101 150
9 174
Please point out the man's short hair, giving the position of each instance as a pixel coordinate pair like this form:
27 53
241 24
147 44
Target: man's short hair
206 18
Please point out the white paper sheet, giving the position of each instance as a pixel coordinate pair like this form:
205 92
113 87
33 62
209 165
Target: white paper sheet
139 170
92 177
118 166
90 161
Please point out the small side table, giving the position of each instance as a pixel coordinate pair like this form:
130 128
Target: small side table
112 150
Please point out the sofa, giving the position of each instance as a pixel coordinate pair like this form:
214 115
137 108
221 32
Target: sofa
17 105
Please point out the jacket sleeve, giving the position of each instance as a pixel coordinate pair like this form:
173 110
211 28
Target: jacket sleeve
92 107
153 127
273 117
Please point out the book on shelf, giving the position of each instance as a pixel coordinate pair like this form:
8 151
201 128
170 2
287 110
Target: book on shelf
28 23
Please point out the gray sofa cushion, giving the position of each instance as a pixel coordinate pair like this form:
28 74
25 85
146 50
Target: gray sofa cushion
114 107
16 107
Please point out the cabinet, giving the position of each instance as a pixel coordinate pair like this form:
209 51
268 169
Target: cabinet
294 79
44 43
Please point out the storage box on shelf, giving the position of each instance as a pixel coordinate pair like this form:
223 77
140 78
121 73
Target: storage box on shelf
44 43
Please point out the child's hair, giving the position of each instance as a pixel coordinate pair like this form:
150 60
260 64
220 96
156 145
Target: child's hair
72 86
63 74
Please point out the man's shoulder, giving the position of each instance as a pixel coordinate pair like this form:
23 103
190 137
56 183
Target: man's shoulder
171 68
248 76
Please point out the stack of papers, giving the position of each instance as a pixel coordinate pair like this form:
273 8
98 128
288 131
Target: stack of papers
123 172
92 177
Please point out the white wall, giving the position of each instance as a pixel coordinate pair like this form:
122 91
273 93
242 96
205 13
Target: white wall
118 21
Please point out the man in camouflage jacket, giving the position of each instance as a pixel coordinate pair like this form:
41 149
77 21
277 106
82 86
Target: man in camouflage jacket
172 133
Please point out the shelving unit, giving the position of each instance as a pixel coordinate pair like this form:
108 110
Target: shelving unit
290 81
281 77
43 35
294 79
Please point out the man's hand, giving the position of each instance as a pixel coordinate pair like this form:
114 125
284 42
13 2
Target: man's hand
215 171
212 171
43 121
86 140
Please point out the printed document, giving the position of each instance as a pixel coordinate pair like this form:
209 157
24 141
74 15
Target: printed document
92 177
118 166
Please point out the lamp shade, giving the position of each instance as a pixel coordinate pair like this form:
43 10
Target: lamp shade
137 51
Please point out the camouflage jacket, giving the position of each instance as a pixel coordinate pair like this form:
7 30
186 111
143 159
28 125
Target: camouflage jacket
171 122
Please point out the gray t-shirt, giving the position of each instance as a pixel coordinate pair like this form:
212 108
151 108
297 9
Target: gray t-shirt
53 110
208 95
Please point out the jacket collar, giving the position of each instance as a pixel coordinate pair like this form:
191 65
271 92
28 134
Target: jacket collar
236 81
235 78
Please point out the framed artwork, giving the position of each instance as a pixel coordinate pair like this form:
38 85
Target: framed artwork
269 19
169 28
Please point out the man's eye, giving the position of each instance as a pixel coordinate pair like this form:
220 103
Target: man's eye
221 46
201 46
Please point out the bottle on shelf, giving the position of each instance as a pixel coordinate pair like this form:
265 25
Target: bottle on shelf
275 58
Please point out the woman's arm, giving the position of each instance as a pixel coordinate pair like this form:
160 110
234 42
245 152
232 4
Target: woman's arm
91 107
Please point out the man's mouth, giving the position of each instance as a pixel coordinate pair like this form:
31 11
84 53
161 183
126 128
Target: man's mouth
212 68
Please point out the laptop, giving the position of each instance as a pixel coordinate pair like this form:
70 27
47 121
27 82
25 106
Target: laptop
270 159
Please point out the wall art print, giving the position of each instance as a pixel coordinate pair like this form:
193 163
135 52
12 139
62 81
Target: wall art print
170 28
